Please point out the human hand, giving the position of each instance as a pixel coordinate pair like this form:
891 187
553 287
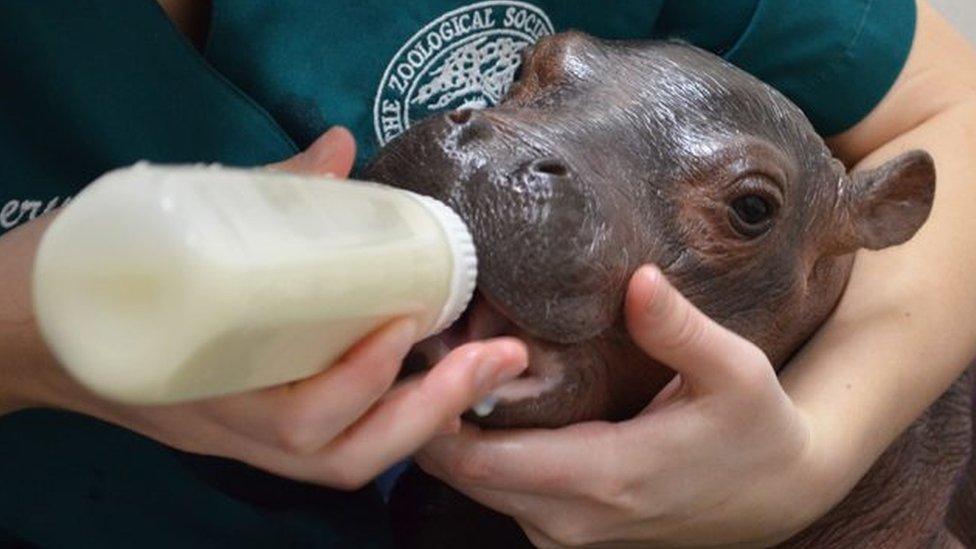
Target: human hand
721 455
339 428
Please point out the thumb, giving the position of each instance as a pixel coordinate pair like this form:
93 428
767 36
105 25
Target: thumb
332 153
673 331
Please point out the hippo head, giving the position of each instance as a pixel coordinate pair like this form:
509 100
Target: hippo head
608 155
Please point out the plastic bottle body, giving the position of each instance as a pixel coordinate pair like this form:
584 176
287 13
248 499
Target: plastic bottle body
161 284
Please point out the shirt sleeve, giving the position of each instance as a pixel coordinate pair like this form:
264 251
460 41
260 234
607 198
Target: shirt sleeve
836 59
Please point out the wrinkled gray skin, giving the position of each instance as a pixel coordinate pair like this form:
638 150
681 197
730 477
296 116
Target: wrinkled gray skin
608 155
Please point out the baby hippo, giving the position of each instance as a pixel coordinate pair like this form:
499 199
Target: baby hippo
608 155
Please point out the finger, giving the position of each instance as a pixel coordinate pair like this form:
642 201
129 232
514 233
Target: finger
415 412
303 416
573 460
673 331
332 153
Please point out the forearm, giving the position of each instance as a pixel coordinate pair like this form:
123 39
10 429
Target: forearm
29 374
906 326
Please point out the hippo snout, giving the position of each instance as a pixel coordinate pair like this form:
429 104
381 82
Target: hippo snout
548 239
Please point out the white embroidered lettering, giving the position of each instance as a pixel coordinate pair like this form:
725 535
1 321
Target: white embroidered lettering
9 209
465 58
31 208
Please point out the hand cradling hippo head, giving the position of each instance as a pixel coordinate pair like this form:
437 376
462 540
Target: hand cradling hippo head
608 155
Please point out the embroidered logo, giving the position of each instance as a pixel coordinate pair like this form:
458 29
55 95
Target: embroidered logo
465 58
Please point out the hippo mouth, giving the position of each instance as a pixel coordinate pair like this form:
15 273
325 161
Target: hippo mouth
480 321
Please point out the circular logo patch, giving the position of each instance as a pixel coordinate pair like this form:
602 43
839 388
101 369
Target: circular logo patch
465 58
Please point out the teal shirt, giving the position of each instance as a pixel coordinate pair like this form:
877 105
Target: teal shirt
90 85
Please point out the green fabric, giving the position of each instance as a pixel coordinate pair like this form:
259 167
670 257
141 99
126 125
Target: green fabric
836 59
711 25
317 64
835 68
70 481
90 85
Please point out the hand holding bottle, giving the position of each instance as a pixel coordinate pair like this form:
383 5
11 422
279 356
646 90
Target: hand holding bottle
338 428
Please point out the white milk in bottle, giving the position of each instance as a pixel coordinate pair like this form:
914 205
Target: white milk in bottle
167 283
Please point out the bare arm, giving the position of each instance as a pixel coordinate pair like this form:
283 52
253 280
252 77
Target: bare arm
27 367
906 326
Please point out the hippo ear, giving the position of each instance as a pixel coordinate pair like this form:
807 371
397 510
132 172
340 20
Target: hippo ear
889 204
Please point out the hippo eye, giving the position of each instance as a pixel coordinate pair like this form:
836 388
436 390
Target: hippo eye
752 214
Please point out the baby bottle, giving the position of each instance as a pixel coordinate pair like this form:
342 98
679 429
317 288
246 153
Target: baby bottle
160 284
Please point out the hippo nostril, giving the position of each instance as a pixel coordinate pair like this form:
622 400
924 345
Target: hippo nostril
550 166
460 116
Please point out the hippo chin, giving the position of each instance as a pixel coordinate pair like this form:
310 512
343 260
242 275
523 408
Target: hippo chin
608 155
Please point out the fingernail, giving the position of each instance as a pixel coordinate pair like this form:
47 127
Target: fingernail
331 137
652 276
323 149
651 272
492 371
402 336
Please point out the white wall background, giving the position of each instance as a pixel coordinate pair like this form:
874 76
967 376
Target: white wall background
962 13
